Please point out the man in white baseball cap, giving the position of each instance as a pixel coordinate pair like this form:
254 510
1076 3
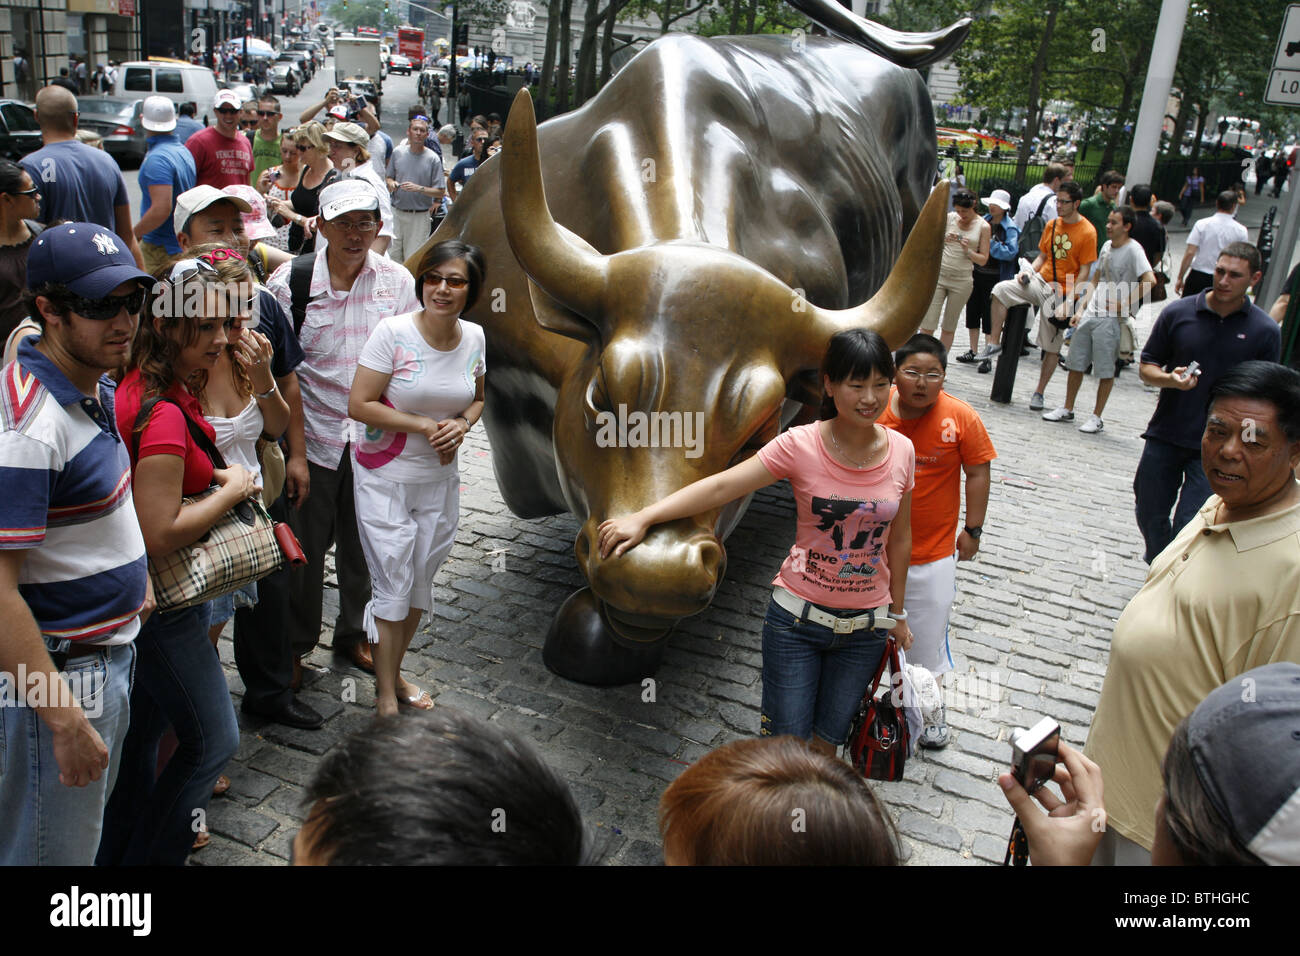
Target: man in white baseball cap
167 171
197 200
347 151
222 156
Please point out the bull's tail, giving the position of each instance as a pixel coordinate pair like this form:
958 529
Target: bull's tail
913 50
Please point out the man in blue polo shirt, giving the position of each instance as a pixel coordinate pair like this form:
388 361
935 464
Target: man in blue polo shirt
1216 329
167 171
74 582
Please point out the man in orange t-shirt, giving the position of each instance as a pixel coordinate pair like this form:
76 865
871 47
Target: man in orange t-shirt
949 438
1059 277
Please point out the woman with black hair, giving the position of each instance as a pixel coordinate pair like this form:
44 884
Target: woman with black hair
418 390
847 572
19 207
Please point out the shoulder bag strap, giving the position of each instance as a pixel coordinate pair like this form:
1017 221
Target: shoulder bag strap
198 434
1051 251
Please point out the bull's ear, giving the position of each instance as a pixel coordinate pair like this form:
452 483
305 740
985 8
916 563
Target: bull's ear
554 317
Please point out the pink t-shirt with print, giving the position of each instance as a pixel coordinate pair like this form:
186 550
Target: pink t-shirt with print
843 516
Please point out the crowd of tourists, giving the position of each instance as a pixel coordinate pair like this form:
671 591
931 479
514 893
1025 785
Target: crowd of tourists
274 333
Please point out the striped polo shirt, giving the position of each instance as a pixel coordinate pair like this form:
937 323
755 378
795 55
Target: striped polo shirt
67 502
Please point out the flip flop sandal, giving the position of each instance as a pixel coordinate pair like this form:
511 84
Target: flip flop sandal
201 839
420 701
221 786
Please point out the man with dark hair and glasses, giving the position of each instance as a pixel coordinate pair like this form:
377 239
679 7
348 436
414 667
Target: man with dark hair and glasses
74 582
950 439
222 155
348 290
464 169
265 139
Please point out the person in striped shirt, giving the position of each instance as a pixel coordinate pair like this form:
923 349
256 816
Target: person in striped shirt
74 583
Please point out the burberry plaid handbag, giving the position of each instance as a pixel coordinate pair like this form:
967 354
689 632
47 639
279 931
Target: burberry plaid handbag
878 737
239 549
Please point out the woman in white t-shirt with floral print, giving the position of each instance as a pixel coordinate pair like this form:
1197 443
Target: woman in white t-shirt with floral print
418 390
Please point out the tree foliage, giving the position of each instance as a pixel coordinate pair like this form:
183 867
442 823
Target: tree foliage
364 13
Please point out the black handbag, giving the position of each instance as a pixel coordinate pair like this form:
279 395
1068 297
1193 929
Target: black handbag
878 737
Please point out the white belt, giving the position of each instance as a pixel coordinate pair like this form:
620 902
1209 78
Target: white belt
876 617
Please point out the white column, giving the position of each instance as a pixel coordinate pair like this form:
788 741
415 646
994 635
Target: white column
1155 95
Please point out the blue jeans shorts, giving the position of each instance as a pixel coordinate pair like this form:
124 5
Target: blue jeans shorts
813 678
224 607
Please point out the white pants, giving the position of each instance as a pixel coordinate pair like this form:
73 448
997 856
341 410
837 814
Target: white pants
410 230
406 533
931 589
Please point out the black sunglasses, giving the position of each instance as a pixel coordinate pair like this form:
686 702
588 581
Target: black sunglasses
101 310
25 192
227 109
268 112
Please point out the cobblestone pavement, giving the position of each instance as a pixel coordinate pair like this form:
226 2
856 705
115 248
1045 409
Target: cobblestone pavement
1060 558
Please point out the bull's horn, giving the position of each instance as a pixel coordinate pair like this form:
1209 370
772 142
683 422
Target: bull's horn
897 308
568 273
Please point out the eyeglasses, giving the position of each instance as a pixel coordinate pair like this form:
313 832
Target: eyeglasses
912 375
101 310
362 228
268 112
453 282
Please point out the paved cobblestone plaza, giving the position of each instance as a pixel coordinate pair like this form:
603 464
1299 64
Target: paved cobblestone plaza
1060 558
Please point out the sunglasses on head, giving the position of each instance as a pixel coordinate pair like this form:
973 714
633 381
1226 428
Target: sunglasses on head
101 310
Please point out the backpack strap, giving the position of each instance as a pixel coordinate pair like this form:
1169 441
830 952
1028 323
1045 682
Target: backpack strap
1039 211
300 270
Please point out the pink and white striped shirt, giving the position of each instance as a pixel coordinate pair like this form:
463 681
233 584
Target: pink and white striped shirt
334 331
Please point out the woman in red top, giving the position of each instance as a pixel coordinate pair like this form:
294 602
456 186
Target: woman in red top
852 481
178 678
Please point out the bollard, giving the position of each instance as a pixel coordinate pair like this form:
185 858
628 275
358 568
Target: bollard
1013 336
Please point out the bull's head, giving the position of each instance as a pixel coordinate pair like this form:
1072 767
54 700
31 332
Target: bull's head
692 345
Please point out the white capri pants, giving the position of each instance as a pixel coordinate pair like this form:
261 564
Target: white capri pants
931 589
406 531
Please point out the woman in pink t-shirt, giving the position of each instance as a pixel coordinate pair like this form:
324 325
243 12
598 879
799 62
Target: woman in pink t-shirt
852 482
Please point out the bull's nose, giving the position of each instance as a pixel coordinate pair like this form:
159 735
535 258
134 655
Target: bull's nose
671 574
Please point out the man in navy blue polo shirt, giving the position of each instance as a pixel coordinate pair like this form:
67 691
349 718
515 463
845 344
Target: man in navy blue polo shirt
1216 329
74 583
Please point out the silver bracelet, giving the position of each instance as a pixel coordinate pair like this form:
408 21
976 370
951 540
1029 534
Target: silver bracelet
266 394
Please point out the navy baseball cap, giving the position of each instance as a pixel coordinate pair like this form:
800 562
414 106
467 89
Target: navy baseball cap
1245 742
87 259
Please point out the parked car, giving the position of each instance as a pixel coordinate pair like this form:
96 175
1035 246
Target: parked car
19 134
177 80
117 122
399 64
300 60
310 48
245 91
285 78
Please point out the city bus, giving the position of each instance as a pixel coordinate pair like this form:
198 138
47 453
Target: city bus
410 43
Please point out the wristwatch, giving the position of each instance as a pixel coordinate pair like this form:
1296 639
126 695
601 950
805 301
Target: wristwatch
974 532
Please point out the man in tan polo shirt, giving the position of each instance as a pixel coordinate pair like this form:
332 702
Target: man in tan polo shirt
1219 600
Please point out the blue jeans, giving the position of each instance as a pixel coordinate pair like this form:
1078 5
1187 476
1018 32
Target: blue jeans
813 678
1161 472
179 681
44 822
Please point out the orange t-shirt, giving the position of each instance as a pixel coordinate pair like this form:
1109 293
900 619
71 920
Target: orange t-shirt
1073 245
946 437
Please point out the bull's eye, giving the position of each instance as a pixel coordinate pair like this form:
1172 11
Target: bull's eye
596 399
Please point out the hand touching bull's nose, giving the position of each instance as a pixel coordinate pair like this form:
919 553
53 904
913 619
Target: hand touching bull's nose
629 531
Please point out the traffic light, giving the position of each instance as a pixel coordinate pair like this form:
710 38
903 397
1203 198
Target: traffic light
462 34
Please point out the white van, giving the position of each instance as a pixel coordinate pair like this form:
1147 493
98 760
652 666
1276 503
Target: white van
177 80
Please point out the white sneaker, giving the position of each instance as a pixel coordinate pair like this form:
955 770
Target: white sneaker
1061 414
1092 425
935 734
992 350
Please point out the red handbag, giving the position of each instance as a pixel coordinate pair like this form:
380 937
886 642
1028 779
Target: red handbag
878 737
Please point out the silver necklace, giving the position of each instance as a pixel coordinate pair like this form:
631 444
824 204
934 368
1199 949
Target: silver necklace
840 448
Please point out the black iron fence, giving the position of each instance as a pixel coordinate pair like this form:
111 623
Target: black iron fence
985 174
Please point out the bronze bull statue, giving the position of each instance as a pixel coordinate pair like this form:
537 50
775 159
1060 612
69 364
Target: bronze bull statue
674 261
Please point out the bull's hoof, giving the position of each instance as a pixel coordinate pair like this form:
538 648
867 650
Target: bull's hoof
583 646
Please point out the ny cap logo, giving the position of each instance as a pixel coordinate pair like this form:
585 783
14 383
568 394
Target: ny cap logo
105 244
